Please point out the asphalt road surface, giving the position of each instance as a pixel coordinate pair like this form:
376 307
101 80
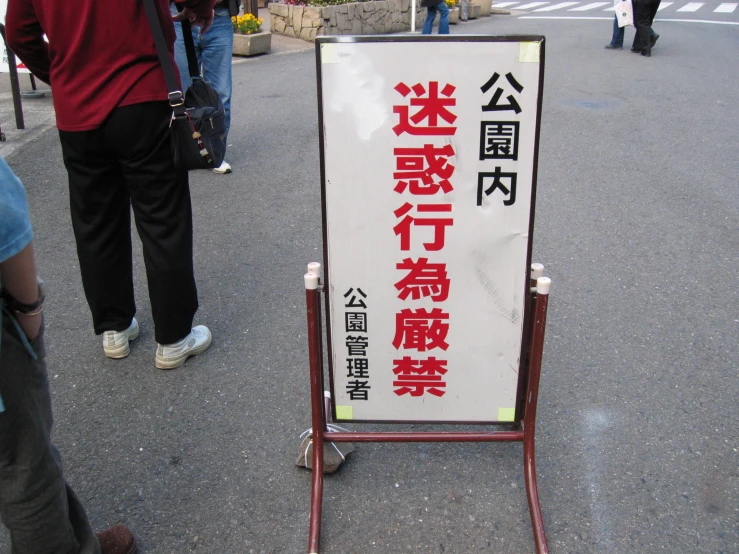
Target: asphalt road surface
636 223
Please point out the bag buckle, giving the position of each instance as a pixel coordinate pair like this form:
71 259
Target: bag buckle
176 98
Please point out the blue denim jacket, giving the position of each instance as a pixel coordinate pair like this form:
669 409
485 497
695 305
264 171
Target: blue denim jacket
15 225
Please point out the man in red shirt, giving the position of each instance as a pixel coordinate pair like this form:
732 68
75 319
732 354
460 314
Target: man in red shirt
113 117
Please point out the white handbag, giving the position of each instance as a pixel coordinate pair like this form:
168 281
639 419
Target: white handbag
624 12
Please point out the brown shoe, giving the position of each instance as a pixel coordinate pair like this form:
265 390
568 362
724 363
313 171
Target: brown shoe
117 540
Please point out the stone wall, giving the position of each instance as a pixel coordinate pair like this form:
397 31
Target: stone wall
362 18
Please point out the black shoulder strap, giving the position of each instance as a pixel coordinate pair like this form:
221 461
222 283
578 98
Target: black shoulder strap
192 59
176 96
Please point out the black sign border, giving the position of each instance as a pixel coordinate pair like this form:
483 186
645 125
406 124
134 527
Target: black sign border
522 375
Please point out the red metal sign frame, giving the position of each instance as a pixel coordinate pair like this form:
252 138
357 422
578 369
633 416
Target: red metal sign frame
524 429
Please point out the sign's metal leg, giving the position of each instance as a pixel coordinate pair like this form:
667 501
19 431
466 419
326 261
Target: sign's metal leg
320 406
532 492
529 429
312 298
536 271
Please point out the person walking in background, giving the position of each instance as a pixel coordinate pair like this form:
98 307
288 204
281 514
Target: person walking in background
214 49
464 10
645 11
432 7
617 39
37 505
113 116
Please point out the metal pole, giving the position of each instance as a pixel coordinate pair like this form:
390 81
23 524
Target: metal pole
413 16
529 424
14 85
536 271
313 303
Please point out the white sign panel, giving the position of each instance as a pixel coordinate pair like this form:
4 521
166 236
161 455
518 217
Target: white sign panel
428 157
4 68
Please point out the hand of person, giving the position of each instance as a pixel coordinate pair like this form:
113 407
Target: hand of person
195 19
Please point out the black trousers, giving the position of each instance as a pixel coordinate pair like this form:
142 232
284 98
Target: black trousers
37 505
644 14
128 162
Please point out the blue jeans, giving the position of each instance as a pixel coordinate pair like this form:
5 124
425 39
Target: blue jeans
214 50
618 34
443 19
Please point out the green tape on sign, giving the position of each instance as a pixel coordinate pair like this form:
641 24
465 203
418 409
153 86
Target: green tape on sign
330 53
506 414
529 52
344 412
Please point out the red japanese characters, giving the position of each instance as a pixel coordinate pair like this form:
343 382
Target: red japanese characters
422 176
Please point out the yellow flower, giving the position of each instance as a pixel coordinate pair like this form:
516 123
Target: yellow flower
246 24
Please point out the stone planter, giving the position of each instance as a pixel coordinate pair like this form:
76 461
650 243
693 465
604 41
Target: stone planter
485 6
251 45
473 11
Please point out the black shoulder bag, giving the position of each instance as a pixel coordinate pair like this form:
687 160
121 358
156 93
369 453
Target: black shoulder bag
198 119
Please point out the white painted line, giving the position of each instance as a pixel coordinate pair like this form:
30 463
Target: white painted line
725 8
532 5
504 4
691 7
700 21
587 7
611 19
557 6
565 17
664 5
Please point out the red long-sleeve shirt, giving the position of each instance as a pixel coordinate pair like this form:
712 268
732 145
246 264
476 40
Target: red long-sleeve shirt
100 54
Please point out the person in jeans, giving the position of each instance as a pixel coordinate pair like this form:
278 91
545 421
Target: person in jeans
113 117
432 6
37 505
213 49
617 39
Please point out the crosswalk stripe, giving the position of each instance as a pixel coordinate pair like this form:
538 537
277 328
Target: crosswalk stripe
691 7
557 6
585 18
725 8
532 5
587 7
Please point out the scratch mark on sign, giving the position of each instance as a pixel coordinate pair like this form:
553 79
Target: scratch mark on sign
500 307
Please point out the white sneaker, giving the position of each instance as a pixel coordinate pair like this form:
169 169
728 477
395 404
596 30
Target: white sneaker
115 343
223 168
171 356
